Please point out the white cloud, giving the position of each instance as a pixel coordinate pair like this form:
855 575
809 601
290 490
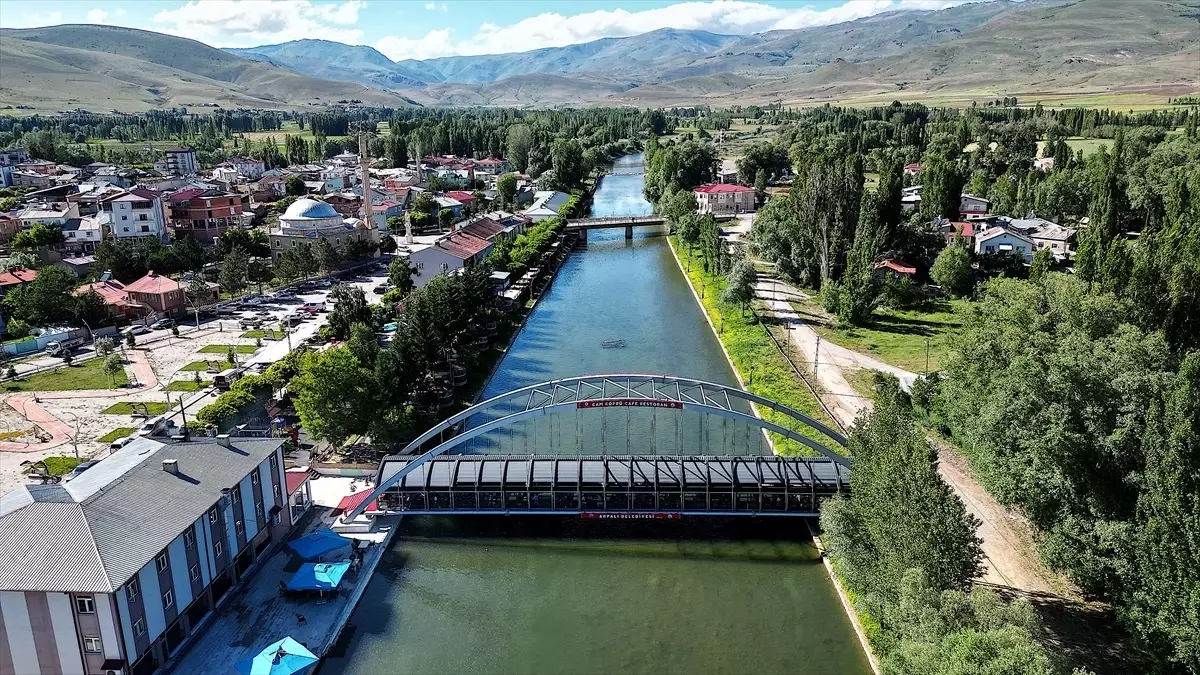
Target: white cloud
550 29
97 16
434 6
246 23
30 20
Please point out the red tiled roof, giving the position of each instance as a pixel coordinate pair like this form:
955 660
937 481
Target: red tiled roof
295 479
17 275
462 245
350 501
965 230
154 283
461 196
484 228
112 291
896 266
185 195
717 188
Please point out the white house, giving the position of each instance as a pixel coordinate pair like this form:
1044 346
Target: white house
82 235
1004 240
47 214
970 204
724 198
546 204
247 167
178 162
135 214
453 252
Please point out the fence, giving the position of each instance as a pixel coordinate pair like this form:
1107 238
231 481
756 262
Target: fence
33 344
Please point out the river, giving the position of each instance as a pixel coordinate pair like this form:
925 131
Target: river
544 595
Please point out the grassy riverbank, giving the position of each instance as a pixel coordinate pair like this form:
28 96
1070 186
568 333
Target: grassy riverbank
762 368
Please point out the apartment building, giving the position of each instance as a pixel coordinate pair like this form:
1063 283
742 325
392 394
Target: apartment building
724 198
111 572
134 214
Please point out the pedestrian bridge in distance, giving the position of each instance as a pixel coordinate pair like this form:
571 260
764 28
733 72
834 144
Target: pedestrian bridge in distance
442 481
627 222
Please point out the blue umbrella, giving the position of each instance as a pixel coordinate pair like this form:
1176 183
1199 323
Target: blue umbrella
281 658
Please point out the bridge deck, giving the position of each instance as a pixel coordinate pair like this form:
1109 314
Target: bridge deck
751 485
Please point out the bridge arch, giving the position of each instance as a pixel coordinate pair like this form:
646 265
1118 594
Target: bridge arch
605 391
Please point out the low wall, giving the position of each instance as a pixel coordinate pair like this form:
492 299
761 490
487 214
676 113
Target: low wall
36 344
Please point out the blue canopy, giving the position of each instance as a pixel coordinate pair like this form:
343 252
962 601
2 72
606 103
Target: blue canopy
319 544
285 657
318 576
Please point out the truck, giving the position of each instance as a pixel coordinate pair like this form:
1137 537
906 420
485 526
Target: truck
63 347
225 379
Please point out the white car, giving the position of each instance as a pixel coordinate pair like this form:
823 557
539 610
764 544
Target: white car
137 330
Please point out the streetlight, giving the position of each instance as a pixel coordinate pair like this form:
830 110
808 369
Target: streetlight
75 436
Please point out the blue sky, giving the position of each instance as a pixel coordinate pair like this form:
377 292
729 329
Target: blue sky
426 29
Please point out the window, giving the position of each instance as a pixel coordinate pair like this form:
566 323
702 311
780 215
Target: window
237 495
124 229
274 460
132 590
189 539
139 627
85 605
91 645
254 477
125 218
258 511
168 599
240 528
160 562
445 268
194 573
420 265
217 549
212 515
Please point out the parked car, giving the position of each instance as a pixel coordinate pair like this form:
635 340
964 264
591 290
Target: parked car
253 300
158 425
381 289
251 322
138 329
264 314
120 443
162 324
63 347
79 468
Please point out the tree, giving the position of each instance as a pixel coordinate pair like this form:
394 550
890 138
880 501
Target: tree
678 205
763 156
941 190
46 300
39 236
1165 602
326 256
400 276
121 259
506 187
570 168
294 185
901 515
363 344
520 141
89 309
688 229
739 284
113 365
334 395
235 271
445 218
188 254
350 308
1042 260
952 270
397 150
860 290
105 346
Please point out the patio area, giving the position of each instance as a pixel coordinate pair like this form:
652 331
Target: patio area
257 614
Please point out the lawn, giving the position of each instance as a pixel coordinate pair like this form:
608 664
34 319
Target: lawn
202 366
765 371
119 432
862 380
186 385
896 337
224 349
85 375
263 334
60 465
152 408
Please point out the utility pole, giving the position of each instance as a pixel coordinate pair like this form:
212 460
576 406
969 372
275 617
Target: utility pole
927 357
817 356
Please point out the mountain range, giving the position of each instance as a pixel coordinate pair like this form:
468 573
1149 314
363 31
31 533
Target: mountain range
1108 50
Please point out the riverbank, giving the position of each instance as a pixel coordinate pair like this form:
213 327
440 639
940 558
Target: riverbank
755 360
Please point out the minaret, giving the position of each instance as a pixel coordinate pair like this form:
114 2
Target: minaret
364 164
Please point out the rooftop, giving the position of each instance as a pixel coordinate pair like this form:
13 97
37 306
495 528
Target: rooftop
462 245
718 188
153 283
94 533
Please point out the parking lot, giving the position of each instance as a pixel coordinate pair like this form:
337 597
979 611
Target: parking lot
195 354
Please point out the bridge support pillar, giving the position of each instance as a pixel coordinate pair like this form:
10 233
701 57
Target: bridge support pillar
629 231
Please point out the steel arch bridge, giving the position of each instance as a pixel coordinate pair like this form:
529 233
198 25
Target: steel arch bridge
793 484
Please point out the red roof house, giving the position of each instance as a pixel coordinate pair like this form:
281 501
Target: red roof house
463 196
896 268
114 296
17 276
162 294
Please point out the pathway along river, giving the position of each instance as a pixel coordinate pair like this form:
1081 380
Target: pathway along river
544 595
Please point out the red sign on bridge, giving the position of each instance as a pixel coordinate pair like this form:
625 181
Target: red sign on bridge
609 515
630 403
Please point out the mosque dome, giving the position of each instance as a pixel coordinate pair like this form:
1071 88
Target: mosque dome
309 209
